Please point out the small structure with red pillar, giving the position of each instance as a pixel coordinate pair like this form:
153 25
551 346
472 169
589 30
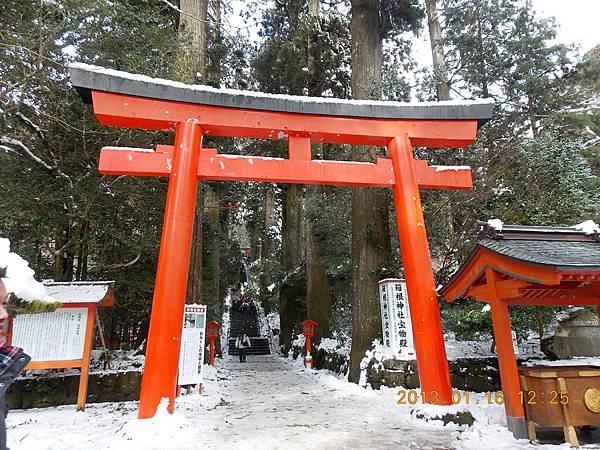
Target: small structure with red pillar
212 332
527 266
309 328
129 100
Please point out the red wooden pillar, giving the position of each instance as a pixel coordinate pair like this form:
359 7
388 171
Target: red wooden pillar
162 355
509 374
422 297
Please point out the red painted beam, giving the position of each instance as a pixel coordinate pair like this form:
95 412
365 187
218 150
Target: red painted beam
153 114
139 162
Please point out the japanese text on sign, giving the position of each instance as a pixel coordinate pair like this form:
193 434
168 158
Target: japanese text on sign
395 316
55 336
191 354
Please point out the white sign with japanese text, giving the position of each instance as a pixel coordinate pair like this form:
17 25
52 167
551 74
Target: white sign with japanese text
55 336
395 316
191 354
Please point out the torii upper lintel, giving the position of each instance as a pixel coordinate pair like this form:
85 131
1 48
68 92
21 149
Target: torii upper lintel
122 99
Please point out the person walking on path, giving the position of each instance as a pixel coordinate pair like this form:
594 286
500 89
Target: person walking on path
242 343
12 361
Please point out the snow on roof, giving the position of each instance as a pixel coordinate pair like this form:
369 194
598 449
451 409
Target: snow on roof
496 224
588 227
305 99
79 291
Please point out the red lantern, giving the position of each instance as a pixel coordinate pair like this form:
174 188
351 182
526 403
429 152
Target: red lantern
212 331
309 327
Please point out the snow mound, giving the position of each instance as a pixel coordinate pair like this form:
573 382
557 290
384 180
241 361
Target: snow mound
20 277
162 431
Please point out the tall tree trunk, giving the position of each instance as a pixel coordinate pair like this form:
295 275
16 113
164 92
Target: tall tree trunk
214 68
371 246
443 93
292 295
212 247
190 67
318 298
437 51
63 255
195 276
190 64
268 244
482 69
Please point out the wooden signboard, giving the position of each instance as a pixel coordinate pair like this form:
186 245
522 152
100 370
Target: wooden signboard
191 353
62 339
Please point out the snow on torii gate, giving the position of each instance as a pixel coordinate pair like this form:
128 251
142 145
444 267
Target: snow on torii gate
126 100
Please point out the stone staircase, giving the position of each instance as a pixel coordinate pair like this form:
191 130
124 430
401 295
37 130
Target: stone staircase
247 322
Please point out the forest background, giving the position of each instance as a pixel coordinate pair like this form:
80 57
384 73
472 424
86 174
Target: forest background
312 251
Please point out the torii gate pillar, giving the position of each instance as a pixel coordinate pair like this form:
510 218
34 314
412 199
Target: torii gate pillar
166 320
424 309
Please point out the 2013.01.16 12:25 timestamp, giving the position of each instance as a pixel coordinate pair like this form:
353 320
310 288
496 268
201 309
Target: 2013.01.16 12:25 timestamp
413 396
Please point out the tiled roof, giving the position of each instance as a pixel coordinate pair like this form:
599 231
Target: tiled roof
560 253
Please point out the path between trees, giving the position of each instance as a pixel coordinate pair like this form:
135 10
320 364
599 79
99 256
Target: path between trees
267 403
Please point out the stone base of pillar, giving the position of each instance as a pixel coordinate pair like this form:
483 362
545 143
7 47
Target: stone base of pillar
518 427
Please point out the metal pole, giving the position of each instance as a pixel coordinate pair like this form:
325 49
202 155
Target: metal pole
164 337
422 297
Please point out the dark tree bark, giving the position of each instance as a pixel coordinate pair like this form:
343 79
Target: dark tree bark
63 255
212 247
267 247
318 298
371 247
190 67
292 295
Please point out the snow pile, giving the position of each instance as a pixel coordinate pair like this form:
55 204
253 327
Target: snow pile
162 431
334 345
588 227
120 361
380 353
576 361
20 277
496 224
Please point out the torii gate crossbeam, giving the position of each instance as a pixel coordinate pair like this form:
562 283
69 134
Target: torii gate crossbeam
122 99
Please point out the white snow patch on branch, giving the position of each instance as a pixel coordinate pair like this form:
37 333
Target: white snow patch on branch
20 277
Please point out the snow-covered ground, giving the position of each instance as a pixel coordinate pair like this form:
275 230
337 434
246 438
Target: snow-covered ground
268 403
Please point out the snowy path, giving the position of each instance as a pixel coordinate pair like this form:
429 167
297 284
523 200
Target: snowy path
267 403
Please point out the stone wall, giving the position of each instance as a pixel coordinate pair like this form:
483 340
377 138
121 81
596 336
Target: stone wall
468 374
41 392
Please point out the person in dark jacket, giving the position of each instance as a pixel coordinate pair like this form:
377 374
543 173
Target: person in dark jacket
12 361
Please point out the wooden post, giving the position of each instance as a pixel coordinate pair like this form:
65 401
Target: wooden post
509 374
568 428
104 348
530 423
85 362
164 336
422 297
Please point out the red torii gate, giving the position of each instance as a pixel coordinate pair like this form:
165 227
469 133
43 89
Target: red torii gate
122 99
